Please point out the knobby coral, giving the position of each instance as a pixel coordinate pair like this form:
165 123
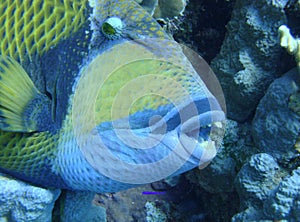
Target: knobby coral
291 44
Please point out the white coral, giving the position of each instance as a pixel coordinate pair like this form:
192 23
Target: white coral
164 9
291 44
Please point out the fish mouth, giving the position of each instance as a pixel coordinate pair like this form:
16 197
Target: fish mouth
208 136
185 137
192 131
200 129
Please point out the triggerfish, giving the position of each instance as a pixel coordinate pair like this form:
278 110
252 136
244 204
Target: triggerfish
96 96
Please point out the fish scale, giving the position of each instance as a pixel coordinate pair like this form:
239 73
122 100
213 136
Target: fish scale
21 156
33 27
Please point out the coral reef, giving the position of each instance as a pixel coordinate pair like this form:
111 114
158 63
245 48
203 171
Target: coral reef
275 127
221 173
259 158
291 44
292 10
283 203
254 183
130 205
149 5
126 205
168 9
163 9
237 147
202 27
21 202
256 179
248 59
266 189
265 196
79 206
155 213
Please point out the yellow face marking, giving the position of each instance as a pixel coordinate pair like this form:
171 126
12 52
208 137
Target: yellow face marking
132 77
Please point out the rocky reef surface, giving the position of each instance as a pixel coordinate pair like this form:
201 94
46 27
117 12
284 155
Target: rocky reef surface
250 55
256 174
21 202
259 160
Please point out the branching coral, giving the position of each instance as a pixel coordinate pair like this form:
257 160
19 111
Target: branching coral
164 9
291 44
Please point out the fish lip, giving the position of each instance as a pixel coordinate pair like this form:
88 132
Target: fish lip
207 118
190 130
206 108
189 125
196 150
201 131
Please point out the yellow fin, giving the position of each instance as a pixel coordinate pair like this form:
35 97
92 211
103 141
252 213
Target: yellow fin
16 92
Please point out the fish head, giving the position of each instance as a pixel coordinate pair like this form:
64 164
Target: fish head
141 113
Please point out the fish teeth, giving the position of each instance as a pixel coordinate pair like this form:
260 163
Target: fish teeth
206 126
218 124
215 124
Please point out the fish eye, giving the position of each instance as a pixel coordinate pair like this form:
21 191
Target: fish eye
112 28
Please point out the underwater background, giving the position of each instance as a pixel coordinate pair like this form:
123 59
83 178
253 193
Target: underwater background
256 173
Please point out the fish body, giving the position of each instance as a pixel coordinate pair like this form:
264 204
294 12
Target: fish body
95 96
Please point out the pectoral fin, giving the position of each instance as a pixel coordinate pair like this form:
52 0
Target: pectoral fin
19 98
